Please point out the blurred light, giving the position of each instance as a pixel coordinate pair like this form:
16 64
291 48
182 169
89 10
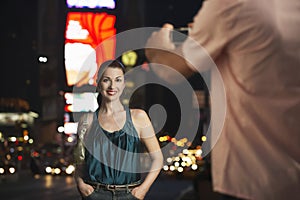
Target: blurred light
172 168
194 167
57 171
129 58
70 169
20 148
48 170
33 114
183 164
60 129
198 152
125 101
70 127
166 167
24 125
30 141
180 169
12 170
8 156
11 150
169 160
43 59
20 158
177 159
1 170
70 139
130 84
185 151
12 139
203 138
36 176
26 137
35 154
176 164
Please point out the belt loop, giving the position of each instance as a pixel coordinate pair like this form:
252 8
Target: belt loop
127 189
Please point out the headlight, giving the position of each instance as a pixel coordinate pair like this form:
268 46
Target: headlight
57 171
12 170
48 170
70 169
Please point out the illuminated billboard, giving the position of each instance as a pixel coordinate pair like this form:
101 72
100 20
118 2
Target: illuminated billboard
84 33
110 4
81 102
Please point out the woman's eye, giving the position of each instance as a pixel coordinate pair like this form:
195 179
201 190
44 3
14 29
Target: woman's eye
119 80
105 80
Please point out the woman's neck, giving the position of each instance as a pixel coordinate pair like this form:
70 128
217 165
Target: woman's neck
109 108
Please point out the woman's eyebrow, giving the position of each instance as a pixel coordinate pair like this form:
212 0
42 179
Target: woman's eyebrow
110 77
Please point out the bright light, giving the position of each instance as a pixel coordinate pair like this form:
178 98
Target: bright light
1 170
169 160
43 59
129 58
185 151
12 170
57 171
70 139
198 152
172 168
30 141
48 170
26 137
33 114
203 138
60 129
13 139
176 164
20 158
70 127
183 164
166 167
70 169
194 167
180 169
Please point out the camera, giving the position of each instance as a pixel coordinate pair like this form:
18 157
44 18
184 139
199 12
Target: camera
179 35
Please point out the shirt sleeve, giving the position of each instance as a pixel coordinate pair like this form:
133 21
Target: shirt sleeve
209 35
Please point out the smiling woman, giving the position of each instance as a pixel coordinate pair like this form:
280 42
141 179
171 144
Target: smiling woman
110 143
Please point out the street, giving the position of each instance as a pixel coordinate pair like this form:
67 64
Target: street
47 187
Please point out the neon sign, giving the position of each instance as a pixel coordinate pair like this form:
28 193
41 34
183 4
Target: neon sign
91 4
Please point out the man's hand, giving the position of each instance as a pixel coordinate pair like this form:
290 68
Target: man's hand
158 41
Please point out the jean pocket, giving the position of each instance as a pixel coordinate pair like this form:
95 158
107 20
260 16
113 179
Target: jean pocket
90 196
133 197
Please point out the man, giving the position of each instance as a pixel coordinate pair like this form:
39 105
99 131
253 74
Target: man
255 45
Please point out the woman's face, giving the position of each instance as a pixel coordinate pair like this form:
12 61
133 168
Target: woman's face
111 84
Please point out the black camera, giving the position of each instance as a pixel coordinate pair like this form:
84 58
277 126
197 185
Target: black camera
179 35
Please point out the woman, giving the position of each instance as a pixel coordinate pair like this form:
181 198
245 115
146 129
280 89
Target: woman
109 145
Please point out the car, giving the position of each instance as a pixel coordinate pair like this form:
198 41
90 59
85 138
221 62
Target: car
49 159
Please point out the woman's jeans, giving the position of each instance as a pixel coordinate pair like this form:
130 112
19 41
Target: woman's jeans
103 194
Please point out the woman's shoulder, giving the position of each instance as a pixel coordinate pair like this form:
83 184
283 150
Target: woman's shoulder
138 113
139 117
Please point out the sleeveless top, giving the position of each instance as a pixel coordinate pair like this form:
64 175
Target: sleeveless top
113 157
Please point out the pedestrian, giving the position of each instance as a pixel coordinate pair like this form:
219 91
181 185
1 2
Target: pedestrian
110 142
255 45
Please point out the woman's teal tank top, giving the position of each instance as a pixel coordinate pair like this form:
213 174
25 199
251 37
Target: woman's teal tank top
113 158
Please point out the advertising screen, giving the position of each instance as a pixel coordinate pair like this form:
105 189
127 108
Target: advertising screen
88 42
110 4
